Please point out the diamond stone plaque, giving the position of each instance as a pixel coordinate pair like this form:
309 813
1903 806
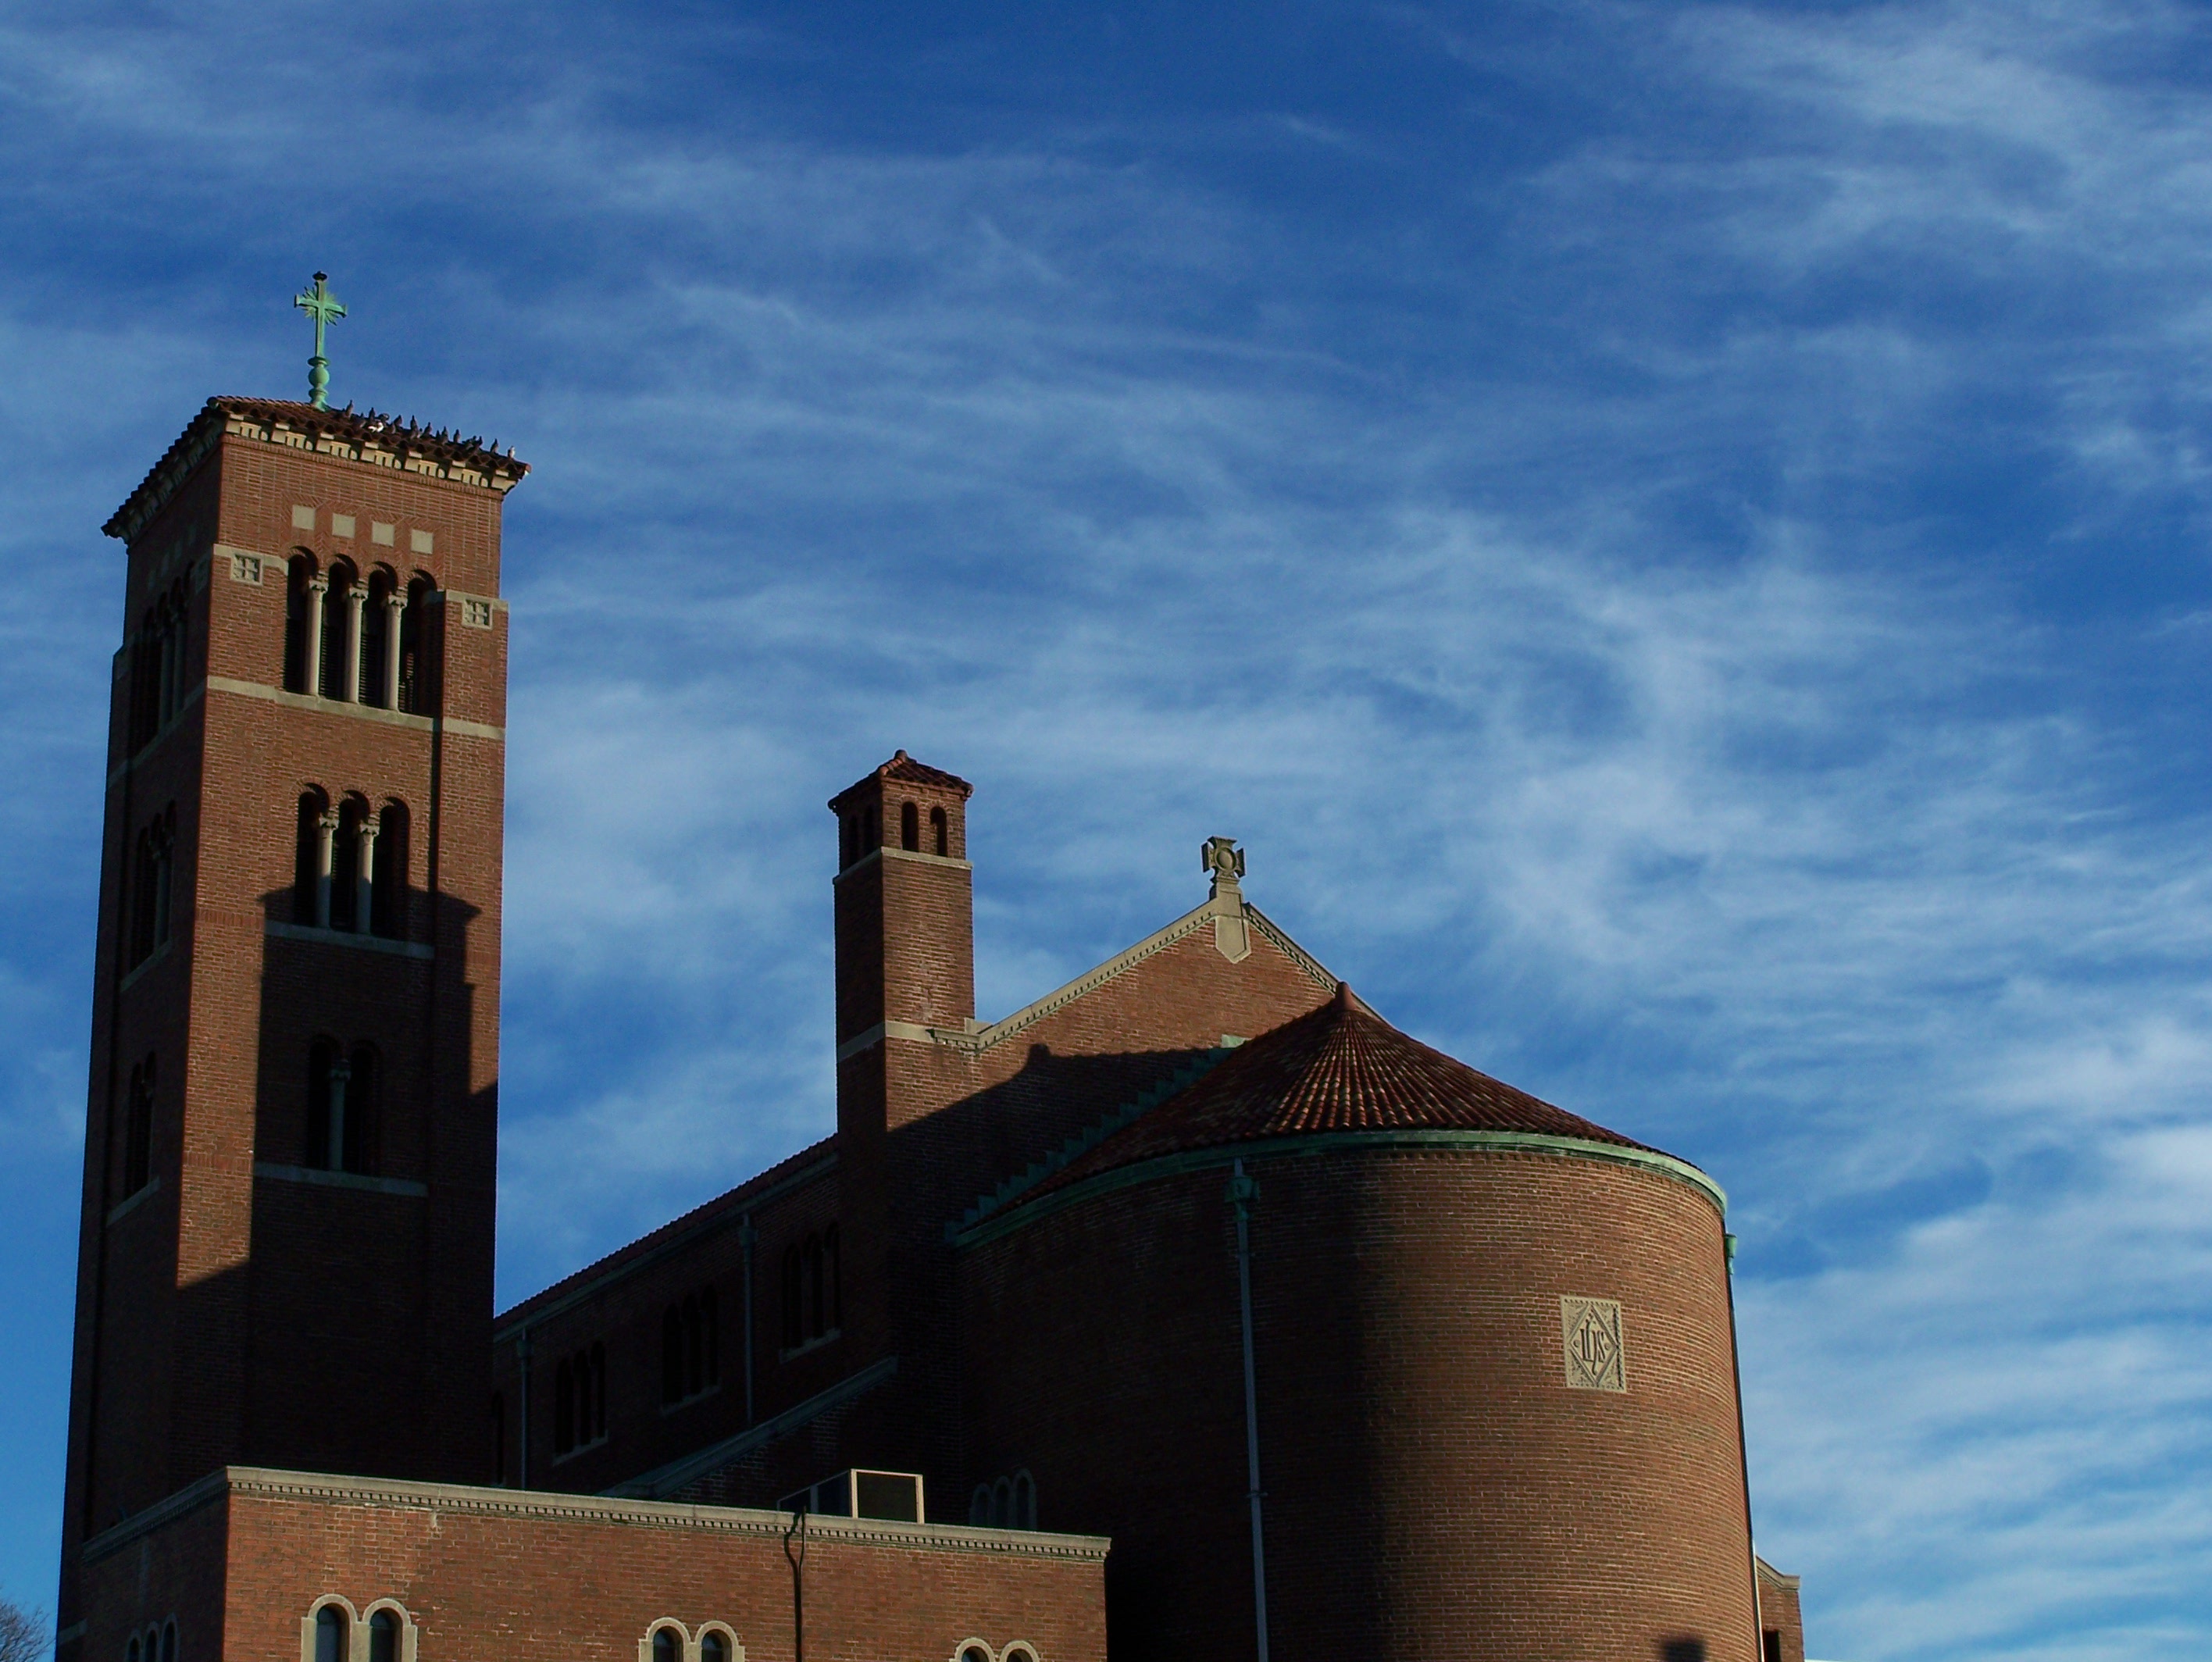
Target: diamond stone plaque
1589 1330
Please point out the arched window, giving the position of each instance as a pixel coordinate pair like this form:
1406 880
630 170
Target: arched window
667 1645
671 1356
139 1129
307 872
1017 1654
345 866
979 1507
414 637
910 828
331 1637
376 640
713 1647
387 905
1002 1505
165 873
1024 1515
940 832
336 608
975 1653
328 1081
169 1641
130 1651
564 1407
383 1637
299 677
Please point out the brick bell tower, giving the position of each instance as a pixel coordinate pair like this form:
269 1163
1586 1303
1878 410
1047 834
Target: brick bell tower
285 1250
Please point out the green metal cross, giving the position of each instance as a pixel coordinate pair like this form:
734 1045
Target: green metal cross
323 305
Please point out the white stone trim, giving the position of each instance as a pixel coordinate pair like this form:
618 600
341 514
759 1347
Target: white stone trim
361 712
328 1179
284 931
913 854
729 1633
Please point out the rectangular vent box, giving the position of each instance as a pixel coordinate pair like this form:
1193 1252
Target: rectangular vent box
896 1496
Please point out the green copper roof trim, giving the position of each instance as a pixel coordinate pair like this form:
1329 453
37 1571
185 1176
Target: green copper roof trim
1317 1142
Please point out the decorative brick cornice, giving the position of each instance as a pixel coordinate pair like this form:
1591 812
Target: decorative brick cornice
544 1506
376 439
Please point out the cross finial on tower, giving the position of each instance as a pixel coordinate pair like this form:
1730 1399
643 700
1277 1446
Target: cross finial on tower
322 306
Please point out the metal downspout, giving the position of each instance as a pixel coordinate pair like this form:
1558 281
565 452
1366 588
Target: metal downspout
1743 1448
1243 1191
522 1441
745 1238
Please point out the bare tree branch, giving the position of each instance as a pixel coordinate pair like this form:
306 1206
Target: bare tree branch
23 1633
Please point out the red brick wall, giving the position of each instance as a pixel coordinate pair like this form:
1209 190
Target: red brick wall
485 1575
1779 1614
1433 1487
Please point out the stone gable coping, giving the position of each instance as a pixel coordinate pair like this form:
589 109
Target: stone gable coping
1228 904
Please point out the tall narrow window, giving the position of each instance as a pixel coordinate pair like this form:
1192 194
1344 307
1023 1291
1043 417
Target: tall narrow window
345 866
671 1356
910 828
713 1647
599 1427
139 1129
331 1634
359 1142
667 1645
169 1641
326 1104
794 1323
816 1325
1025 1512
710 1341
940 841
144 883
375 639
130 1651
337 604
413 655
564 1407
833 1276
299 675
383 1637
499 1438
388 890
165 874
307 859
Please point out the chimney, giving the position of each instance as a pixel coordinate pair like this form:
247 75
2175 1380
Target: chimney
906 946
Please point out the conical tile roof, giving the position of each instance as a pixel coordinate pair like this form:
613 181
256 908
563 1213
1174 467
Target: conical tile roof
1339 1068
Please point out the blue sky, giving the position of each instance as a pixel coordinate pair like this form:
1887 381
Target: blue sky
1674 533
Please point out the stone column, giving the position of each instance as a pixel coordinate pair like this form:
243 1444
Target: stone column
341 1076
318 586
395 609
364 873
349 689
326 837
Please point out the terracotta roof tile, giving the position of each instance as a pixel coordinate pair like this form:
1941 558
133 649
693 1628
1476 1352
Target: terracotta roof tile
1339 1068
905 770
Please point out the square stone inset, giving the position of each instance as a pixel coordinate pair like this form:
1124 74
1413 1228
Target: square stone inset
476 614
380 532
303 519
419 541
342 524
1590 1331
246 568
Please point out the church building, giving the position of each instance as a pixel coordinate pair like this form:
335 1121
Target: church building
1190 1311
